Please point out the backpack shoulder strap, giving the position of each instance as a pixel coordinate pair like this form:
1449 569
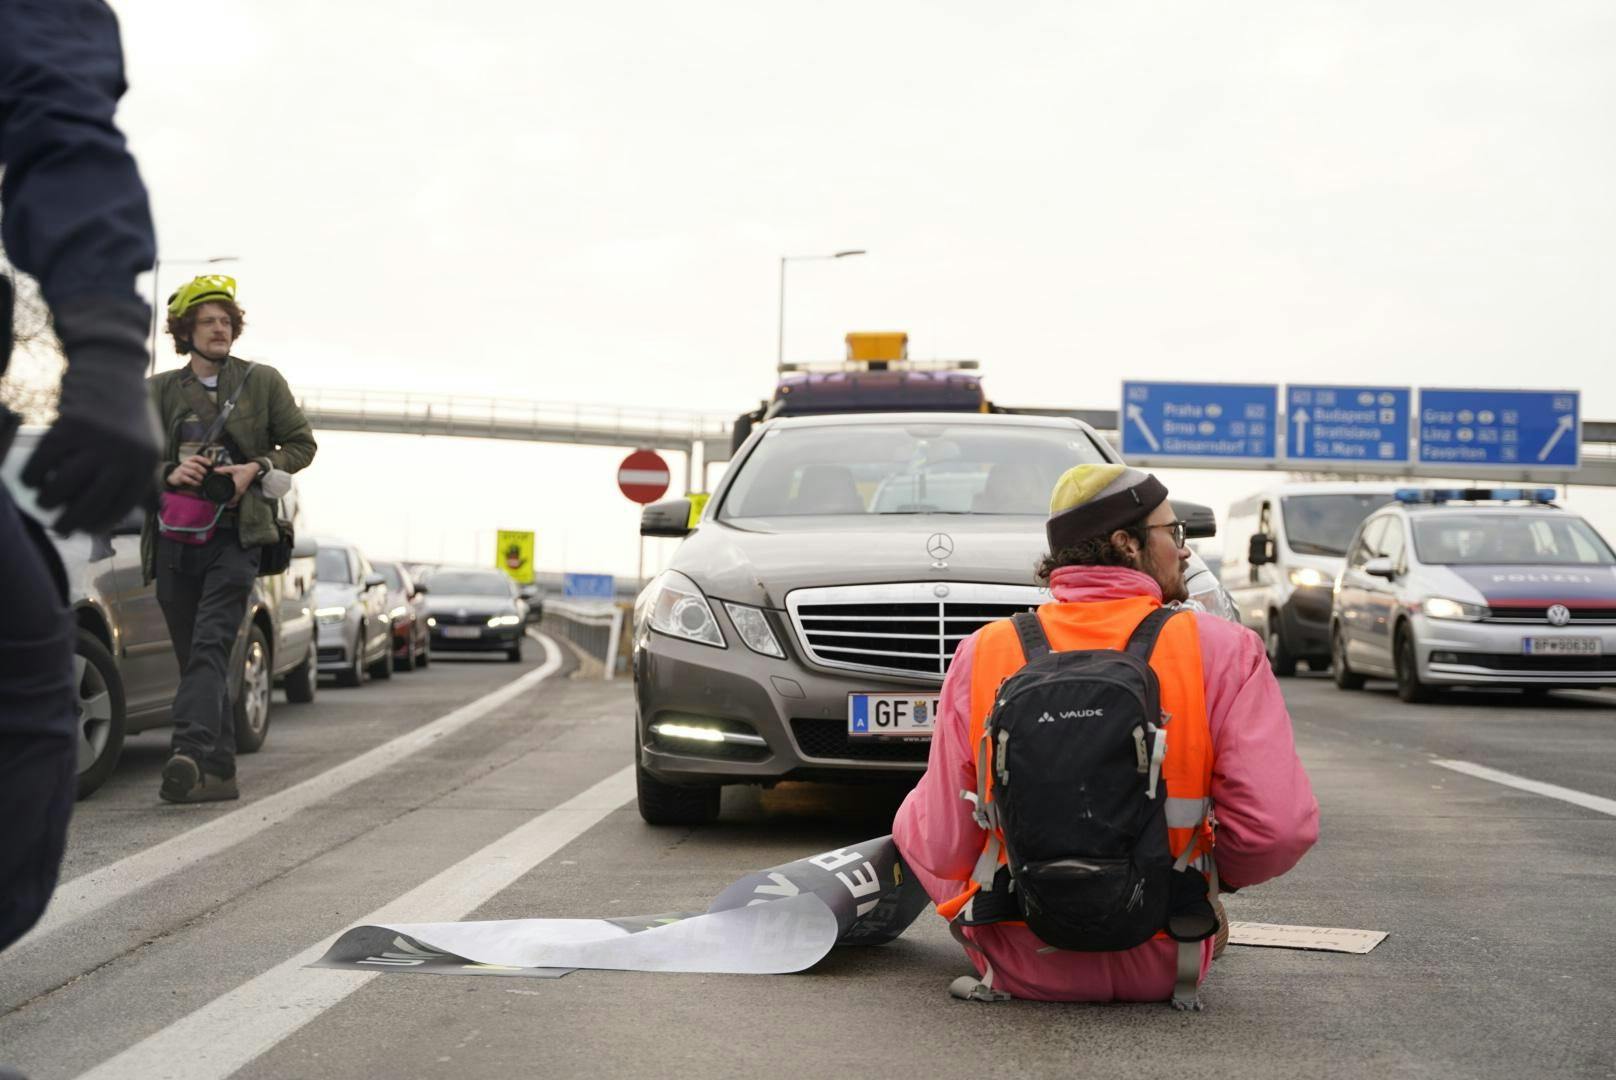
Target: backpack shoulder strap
1143 640
1030 631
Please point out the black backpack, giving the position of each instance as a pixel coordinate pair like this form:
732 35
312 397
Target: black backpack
1078 740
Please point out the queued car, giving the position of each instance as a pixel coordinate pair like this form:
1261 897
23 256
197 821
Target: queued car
803 629
1283 549
406 608
128 672
1475 587
476 611
355 630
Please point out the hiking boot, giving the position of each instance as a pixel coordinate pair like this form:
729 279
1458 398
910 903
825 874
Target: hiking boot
180 775
206 788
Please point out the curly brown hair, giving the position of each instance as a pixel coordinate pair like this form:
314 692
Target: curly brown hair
182 327
1095 551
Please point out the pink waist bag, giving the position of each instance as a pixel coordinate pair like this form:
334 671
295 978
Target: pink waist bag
186 518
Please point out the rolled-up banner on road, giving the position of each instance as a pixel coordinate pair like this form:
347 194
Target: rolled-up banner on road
775 921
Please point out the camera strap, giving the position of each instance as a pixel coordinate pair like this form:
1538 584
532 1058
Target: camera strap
197 397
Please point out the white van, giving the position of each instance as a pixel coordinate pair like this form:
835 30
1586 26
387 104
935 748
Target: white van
1283 549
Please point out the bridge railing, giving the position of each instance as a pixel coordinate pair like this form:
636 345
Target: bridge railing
447 414
595 627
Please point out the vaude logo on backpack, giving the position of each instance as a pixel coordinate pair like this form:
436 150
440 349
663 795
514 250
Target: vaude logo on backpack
1076 742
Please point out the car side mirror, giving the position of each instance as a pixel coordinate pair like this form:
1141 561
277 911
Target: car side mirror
132 524
1259 551
1380 567
668 518
372 580
1200 523
304 548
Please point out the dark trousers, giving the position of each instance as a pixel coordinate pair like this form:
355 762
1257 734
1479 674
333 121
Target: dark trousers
38 721
203 590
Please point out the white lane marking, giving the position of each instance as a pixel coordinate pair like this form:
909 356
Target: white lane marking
1536 787
233 1029
89 893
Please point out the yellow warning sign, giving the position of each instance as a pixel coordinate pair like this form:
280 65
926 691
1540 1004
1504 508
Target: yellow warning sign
513 553
698 506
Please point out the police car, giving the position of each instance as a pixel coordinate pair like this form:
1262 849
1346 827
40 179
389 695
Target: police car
1475 587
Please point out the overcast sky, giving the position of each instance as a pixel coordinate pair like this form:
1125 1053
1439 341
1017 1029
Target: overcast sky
587 202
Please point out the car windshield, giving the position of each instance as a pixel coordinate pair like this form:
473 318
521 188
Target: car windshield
331 565
1324 524
389 574
1450 539
470 583
905 468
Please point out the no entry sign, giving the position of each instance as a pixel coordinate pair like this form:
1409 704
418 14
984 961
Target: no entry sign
643 476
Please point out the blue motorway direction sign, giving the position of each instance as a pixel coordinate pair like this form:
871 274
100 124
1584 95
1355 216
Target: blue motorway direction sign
588 586
1512 428
1366 424
1199 421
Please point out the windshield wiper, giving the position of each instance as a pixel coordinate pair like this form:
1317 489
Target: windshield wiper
1307 547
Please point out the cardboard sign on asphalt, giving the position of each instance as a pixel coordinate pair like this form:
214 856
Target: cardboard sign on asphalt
1317 938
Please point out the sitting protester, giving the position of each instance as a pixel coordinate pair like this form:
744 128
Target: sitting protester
1082 806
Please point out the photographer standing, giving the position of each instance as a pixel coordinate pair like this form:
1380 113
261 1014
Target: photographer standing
226 424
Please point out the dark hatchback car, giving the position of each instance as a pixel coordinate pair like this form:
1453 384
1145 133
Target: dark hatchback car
406 611
475 611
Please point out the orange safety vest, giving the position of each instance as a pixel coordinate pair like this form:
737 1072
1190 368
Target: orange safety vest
1107 624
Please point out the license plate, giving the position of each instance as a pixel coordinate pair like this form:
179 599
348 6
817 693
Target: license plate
891 714
463 631
1561 646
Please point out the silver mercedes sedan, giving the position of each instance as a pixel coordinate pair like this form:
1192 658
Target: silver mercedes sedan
803 628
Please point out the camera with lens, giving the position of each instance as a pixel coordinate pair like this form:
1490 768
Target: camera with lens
217 486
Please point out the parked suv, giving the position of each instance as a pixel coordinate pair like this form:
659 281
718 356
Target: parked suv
127 670
1283 548
1476 587
803 629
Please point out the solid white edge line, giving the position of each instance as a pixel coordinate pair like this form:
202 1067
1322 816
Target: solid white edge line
233 1029
1536 787
89 893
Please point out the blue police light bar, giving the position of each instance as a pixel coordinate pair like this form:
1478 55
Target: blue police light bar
1442 495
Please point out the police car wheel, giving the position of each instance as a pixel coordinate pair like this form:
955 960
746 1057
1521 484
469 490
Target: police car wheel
675 804
1409 686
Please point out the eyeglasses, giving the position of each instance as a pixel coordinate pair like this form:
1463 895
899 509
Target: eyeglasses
1177 534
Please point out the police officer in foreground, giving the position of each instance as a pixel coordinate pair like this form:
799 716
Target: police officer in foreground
1120 819
76 218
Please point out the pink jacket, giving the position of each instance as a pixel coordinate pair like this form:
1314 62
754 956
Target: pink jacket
1266 815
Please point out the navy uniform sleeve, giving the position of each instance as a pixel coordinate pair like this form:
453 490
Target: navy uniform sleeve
76 215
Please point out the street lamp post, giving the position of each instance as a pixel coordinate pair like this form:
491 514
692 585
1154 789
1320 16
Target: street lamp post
780 339
157 292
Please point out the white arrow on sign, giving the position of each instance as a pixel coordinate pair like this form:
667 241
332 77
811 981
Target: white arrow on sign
1300 419
1137 415
1567 422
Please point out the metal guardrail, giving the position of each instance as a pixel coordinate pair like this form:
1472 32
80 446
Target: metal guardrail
594 626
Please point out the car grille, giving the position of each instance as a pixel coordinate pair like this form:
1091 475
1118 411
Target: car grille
900 629
1540 614
1566 665
820 738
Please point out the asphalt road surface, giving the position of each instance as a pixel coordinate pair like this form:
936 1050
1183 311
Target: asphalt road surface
177 942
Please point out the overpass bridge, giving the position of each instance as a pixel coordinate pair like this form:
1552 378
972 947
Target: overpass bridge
703 438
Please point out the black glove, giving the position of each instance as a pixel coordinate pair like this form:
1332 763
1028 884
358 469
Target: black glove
99 457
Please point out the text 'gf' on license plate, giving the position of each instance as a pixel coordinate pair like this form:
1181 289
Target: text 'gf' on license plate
891 714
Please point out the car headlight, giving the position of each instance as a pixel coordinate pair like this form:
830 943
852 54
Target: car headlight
432 620
676 607
1306 577
753 627
398 612
504 620
330 614
1440 607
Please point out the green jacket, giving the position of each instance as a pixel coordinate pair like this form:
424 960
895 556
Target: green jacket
267 425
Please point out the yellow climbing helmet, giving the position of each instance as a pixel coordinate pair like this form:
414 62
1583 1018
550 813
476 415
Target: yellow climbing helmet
199 290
